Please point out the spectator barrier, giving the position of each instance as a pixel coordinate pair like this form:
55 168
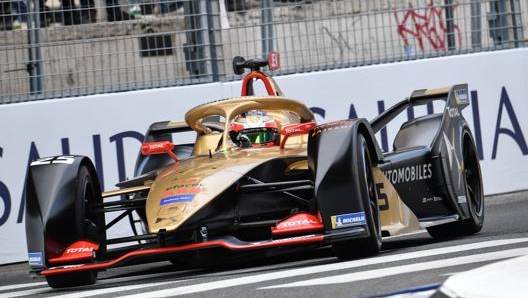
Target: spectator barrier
109 127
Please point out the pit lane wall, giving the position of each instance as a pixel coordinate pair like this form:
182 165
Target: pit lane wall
109 127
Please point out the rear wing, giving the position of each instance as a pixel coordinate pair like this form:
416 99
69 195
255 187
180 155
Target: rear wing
456 98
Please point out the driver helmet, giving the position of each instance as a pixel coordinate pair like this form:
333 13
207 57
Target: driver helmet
254 129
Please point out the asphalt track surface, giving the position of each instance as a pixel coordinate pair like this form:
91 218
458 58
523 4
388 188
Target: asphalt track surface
412 261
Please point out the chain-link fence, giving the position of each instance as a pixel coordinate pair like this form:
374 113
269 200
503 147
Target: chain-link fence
62 48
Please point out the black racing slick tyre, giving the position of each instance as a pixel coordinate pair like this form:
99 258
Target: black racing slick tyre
474 196
370 245
74 279
87 195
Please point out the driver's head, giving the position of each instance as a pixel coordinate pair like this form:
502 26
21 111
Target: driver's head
254 129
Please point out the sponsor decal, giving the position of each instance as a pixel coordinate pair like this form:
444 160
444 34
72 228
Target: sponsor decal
294 223
76 250
299 223
84 248
51 160
79 250
462 199
453 112
273 60
462 96
35 258
409 174
183 186
182 191
177 199
432 199
298 128
156 145
335 125
293 130
186 180
348 220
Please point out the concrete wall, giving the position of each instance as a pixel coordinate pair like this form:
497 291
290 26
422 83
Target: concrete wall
108 128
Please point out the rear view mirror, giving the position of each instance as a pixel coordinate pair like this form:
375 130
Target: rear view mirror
295 129
159 148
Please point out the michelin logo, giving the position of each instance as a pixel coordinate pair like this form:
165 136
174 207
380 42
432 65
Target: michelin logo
348 220
35 258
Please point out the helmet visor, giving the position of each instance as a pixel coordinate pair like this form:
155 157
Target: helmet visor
255 136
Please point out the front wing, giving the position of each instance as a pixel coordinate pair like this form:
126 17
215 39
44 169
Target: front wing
227 242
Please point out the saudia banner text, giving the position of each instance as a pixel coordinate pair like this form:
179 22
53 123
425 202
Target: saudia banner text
109 128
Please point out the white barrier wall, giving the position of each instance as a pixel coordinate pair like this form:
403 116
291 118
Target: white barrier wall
108 128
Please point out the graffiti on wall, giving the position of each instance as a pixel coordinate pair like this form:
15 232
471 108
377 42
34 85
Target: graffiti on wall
427 25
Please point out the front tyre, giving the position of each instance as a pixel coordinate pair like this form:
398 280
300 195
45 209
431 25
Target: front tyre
72 279
370 245
87 195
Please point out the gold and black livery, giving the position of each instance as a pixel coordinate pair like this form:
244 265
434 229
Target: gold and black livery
198 202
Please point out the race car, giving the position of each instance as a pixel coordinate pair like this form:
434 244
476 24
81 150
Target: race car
260 177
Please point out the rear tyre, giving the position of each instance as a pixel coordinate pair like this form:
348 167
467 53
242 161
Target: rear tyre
474 196
87 194
370 245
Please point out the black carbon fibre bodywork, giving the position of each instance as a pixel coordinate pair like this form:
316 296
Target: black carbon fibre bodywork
417 175
55 217
333 164
425 166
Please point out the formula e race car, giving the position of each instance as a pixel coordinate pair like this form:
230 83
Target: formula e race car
260 177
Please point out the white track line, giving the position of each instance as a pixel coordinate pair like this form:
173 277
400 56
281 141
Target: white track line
26 293
87 293
197 288
92 292
78 293
377 273
20 286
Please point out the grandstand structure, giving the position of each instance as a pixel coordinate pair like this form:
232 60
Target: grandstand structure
65 48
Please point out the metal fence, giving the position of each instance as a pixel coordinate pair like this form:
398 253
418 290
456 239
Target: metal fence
53 48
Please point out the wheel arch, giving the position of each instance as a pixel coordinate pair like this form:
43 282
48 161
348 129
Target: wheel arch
463 134
51 205
374 149
332 162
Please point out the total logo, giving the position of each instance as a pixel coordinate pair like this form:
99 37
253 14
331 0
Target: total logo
295 223
293 130
79 250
